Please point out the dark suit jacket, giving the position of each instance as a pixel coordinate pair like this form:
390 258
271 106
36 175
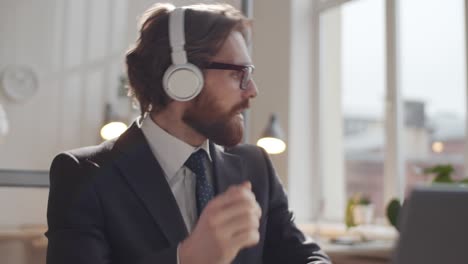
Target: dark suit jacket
112 204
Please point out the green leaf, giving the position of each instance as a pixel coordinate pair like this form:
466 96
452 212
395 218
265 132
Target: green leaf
438 169
442 178
443 173
363 200
393 210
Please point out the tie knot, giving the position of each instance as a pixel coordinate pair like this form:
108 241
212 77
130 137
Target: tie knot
196 162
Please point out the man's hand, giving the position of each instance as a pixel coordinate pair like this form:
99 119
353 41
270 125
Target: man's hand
228 224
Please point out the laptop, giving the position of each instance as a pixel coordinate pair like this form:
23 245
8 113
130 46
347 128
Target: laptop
434 226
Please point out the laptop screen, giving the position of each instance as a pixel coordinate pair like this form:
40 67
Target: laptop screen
434 226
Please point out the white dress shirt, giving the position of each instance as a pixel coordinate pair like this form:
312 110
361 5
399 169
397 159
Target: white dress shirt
171 153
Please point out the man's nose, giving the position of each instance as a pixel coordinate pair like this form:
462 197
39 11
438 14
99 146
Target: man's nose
251 91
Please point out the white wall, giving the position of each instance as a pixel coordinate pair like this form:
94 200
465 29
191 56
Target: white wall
75 47
22 206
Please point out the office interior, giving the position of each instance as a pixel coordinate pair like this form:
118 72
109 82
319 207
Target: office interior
368 94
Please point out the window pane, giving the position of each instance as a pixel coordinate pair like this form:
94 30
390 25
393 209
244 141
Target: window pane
433 85
363 84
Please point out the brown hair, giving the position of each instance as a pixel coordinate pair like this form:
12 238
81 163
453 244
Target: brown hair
206 29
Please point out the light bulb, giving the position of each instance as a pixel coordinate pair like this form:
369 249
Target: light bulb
438 147
113 130
272 145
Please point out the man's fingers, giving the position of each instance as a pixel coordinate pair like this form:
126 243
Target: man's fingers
239 210
247 185
246 239
232 195
242 223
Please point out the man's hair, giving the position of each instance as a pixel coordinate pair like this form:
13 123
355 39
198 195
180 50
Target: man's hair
206 29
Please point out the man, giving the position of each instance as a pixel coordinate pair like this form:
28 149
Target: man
166 191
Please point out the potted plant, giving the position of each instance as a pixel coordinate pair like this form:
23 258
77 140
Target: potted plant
359 210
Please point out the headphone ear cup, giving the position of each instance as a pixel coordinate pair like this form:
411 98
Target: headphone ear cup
183 82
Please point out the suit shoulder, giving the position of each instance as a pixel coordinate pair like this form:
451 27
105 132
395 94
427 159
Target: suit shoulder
71 170
96 154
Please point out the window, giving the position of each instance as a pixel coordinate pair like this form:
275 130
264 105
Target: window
352 82
363 95
357 48
433 85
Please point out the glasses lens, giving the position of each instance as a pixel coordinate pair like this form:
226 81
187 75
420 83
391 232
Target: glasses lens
246 76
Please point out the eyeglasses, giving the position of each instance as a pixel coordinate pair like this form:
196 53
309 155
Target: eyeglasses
246 70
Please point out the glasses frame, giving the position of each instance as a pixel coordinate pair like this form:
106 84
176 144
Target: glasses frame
247 71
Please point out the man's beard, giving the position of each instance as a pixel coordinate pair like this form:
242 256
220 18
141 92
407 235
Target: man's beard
208 119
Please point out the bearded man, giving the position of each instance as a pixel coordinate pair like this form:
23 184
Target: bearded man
177 187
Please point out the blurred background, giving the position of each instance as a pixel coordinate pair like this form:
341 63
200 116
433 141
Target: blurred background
367 93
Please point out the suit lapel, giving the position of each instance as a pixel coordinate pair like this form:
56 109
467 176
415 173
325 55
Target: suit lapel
228 170
145 176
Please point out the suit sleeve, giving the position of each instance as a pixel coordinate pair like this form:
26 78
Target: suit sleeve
76 233
284 242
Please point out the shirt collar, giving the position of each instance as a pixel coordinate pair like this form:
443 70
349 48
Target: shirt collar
169 151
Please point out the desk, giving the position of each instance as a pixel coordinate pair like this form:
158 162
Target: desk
378 248
363 253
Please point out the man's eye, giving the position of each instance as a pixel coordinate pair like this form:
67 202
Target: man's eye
236 74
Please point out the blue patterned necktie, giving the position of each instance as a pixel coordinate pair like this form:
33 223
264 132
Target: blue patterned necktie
203 189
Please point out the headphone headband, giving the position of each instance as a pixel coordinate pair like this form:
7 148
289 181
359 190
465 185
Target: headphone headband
177 36
182 81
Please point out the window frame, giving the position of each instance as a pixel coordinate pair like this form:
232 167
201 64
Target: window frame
394 162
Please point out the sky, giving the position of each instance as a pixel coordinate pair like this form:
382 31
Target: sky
432 55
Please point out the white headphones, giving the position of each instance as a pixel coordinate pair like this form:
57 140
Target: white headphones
182 81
